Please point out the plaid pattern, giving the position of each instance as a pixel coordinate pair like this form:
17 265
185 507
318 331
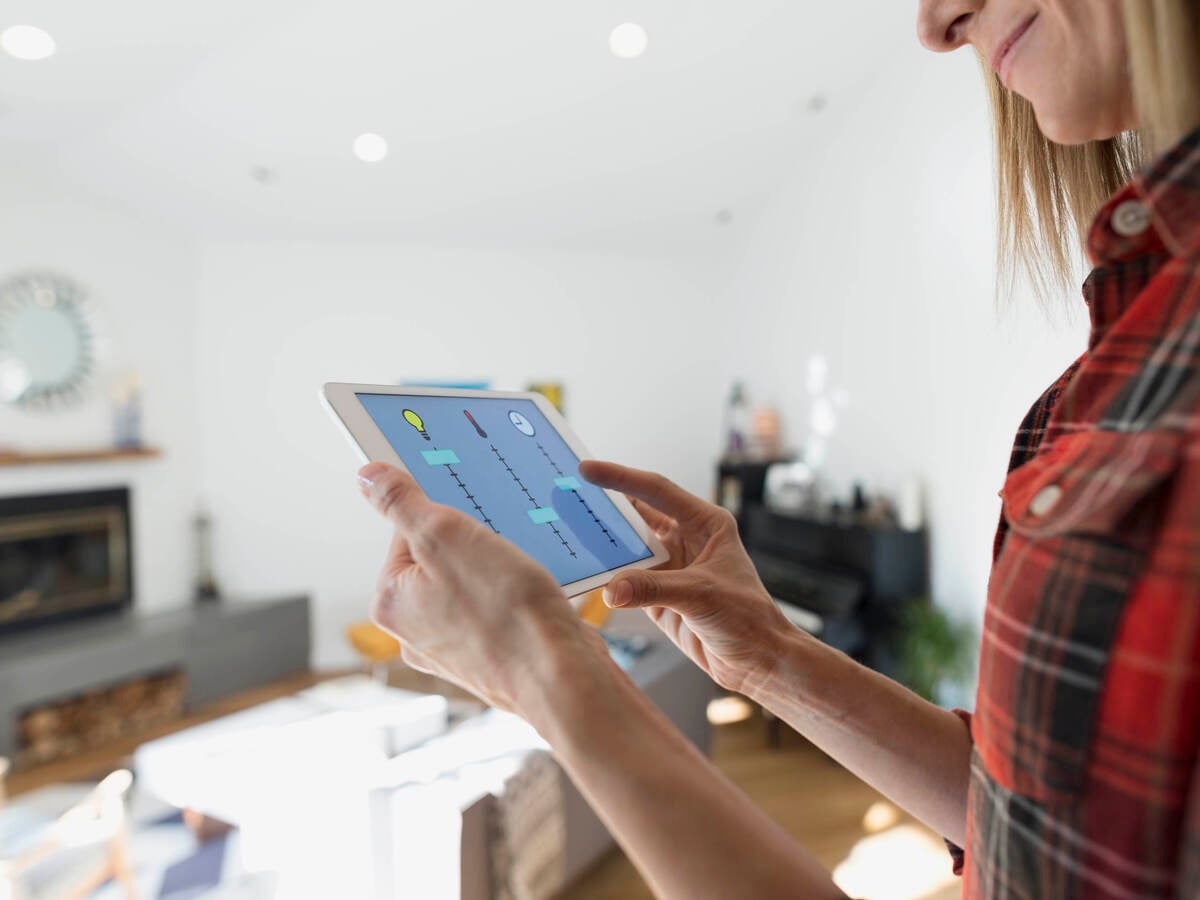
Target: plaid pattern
1084 776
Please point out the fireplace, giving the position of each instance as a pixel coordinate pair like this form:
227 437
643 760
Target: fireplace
63 555
60 729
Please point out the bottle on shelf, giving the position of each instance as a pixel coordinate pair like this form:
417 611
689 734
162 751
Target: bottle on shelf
737 423
205 587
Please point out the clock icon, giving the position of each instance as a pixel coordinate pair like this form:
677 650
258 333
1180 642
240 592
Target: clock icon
521 423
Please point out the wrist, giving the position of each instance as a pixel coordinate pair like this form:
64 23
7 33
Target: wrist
568 671
796 657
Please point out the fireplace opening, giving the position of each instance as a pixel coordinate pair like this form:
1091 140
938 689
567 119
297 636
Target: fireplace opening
63 555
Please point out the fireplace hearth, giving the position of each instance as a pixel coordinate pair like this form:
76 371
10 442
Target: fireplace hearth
60 729
64 556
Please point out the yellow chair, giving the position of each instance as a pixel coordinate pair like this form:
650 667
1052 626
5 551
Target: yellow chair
376 647
592 608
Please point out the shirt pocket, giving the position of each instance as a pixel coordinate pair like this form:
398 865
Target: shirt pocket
1081 518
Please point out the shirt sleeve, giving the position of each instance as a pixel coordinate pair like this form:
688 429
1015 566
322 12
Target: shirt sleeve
957 856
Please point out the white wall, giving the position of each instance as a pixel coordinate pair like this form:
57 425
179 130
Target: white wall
878 255
640 345
141 282
232 342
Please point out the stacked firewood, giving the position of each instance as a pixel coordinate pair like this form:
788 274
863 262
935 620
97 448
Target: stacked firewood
64 728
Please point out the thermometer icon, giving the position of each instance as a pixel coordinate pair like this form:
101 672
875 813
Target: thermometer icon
471 419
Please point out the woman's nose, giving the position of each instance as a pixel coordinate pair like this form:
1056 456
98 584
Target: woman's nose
943 25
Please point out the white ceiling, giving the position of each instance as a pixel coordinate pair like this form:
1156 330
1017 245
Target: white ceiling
507 122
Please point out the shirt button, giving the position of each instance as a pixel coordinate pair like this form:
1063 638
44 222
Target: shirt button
1045 500
1130 219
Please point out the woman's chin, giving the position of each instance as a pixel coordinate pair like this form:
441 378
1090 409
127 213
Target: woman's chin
1077 124
1069 130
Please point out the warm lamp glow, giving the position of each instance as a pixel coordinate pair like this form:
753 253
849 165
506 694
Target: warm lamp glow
729 710
880 817
901 863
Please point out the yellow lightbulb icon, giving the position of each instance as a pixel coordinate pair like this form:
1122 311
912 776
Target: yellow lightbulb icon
415 421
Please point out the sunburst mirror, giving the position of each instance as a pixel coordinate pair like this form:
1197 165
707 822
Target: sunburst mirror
46 341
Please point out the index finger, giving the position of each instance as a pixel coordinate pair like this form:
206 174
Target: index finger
651 488
660 522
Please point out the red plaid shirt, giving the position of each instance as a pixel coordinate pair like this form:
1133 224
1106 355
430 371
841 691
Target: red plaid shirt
1084 776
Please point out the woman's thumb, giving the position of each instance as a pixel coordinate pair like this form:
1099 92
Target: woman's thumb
639 589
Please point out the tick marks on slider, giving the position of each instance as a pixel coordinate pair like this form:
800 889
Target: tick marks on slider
448 459
571 484
539 514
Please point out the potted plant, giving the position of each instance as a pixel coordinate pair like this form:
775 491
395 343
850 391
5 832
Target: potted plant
936 653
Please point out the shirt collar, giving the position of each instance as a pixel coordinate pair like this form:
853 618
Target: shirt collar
1156 215
1170 188
1169 191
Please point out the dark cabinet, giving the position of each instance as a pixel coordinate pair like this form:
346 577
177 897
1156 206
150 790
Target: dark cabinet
848 582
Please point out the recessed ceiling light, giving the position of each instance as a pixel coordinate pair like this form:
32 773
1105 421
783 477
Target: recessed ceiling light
26 42
628 41
370 147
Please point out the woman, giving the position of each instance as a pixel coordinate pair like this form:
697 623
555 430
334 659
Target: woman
1077 776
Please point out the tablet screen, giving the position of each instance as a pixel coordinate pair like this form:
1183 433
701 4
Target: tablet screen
502 462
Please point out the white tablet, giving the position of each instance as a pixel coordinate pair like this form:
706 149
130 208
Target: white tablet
508 460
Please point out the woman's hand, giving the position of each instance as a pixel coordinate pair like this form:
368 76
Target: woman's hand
466 604
708 599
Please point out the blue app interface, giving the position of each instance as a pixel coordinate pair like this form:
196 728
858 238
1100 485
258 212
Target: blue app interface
501 462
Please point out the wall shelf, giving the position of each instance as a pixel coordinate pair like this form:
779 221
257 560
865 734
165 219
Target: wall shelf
97 454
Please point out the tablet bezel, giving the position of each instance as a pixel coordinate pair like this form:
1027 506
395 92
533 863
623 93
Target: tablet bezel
340 399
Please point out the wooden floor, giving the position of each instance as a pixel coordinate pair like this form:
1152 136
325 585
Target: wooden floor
816 801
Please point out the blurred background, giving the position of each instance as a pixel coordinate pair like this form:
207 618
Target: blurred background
749 246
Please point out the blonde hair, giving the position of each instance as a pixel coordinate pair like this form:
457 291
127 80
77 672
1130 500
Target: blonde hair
1047 192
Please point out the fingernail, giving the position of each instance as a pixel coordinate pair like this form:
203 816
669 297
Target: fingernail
620 595
368 473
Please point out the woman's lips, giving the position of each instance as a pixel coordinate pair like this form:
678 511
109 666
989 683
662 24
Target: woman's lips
1003 54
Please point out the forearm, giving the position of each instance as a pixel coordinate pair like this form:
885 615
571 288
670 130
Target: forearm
905 747
688 830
